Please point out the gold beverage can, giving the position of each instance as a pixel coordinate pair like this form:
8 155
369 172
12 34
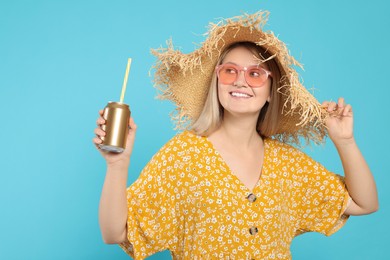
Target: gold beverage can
116 127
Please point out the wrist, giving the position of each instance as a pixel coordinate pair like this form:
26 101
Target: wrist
118 166
344 143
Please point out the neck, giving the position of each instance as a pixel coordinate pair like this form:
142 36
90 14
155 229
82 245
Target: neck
239 130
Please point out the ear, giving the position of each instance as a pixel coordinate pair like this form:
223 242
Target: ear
269 98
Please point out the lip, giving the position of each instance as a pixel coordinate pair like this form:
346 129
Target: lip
240 92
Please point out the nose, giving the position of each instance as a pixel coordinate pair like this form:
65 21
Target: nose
240 80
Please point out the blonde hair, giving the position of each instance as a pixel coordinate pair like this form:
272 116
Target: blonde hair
268 122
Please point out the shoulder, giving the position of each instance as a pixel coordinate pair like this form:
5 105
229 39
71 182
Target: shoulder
180 146
170 158
183 140
289 156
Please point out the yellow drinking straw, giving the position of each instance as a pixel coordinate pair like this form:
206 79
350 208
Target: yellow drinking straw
125 80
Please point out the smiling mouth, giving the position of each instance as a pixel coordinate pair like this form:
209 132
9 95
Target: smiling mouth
239 94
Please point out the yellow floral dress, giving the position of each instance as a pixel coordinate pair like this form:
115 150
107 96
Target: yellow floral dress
188 201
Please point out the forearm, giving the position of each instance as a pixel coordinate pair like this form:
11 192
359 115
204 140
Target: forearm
113 205
358 178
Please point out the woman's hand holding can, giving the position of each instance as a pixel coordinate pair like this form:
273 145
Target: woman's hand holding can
115 158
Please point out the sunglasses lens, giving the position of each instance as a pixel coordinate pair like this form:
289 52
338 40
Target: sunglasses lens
227 74
256 77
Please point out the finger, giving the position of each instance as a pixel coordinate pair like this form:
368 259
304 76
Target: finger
347 110
325 104
332 106
340 103
100 121
99 132
97 140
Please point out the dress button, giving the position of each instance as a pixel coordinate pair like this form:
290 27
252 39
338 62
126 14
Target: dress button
253 230
251 197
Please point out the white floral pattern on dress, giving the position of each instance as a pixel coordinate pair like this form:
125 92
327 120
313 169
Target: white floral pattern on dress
188 201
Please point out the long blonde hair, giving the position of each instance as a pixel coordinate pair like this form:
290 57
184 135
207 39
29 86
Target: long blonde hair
211 116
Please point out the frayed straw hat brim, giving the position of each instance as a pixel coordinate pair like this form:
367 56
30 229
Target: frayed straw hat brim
185 78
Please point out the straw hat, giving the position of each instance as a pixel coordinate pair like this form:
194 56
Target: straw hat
185 78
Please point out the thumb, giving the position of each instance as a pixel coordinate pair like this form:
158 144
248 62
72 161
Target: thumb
132 126
132 130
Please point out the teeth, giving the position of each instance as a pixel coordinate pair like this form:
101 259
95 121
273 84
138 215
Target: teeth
236 94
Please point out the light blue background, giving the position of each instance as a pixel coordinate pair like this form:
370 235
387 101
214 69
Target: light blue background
61 61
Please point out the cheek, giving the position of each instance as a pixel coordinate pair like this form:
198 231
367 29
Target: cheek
220 92
269 95
268 90
264 91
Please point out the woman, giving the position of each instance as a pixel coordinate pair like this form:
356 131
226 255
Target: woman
230 186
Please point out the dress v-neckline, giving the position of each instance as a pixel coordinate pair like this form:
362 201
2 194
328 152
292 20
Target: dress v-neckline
231 172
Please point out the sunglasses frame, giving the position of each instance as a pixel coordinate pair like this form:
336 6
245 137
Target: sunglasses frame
244 69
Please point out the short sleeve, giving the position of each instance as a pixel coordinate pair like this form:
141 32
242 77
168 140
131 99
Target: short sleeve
324 198
150 223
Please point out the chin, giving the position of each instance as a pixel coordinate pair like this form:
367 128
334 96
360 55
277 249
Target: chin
242 112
